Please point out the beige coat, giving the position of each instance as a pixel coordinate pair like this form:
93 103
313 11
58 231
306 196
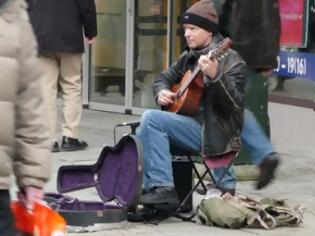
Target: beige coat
24 140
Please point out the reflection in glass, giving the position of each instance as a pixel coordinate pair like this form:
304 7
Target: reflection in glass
107 83
149 48
292 87
151 44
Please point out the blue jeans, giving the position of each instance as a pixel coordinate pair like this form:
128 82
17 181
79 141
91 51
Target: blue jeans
158 131
254 139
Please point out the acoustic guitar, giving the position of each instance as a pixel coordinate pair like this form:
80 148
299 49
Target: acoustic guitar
189 90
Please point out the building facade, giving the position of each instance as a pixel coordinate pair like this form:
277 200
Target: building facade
138 39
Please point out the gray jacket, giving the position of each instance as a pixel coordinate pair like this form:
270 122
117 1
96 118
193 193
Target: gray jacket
24 139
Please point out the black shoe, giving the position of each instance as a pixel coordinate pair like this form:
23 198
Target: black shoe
160 195
267 170
55 147
72 144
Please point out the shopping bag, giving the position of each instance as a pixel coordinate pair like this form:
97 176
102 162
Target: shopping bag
41 221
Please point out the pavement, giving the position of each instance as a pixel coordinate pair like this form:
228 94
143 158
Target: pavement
292 133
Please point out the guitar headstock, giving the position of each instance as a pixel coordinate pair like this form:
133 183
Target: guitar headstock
220 50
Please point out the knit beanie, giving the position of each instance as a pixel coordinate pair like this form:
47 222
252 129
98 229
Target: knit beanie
203 15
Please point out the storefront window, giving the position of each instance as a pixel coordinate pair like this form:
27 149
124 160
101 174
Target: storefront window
149 48
294 79
152 55
107 68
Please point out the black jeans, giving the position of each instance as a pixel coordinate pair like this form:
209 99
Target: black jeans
6 216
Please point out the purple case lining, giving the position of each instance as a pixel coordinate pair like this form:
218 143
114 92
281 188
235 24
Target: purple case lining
85 213
66 203
117 174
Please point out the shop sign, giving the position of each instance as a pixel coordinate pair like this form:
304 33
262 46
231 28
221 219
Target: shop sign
296 64
294 17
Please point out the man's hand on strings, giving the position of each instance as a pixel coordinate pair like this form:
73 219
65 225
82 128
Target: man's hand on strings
166 97
208 67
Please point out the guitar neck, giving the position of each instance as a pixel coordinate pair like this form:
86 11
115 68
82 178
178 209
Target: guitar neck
193 75
214 53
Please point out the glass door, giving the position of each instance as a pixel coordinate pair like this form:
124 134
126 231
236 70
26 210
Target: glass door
178 42
150 49
137 39
158 41
107 57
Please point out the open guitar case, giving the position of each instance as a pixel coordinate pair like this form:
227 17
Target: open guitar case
117 177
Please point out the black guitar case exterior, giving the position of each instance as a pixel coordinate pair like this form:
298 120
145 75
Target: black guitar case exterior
117 177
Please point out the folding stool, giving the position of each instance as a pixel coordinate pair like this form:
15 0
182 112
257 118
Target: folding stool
210 163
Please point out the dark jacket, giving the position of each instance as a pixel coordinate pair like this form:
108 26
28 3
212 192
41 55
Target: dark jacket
58 24
221 109
254 27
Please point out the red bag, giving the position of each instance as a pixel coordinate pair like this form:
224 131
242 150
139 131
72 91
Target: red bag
42 221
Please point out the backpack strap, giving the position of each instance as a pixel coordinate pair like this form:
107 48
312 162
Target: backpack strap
263 213
257 217
285 216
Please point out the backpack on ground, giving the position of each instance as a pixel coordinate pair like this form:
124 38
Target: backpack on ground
243 211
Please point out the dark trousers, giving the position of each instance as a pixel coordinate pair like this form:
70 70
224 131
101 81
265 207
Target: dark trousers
6 216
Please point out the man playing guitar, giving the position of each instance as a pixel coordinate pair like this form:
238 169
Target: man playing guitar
214 127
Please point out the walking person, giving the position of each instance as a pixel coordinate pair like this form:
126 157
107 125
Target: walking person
256 37
59 27
24 138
